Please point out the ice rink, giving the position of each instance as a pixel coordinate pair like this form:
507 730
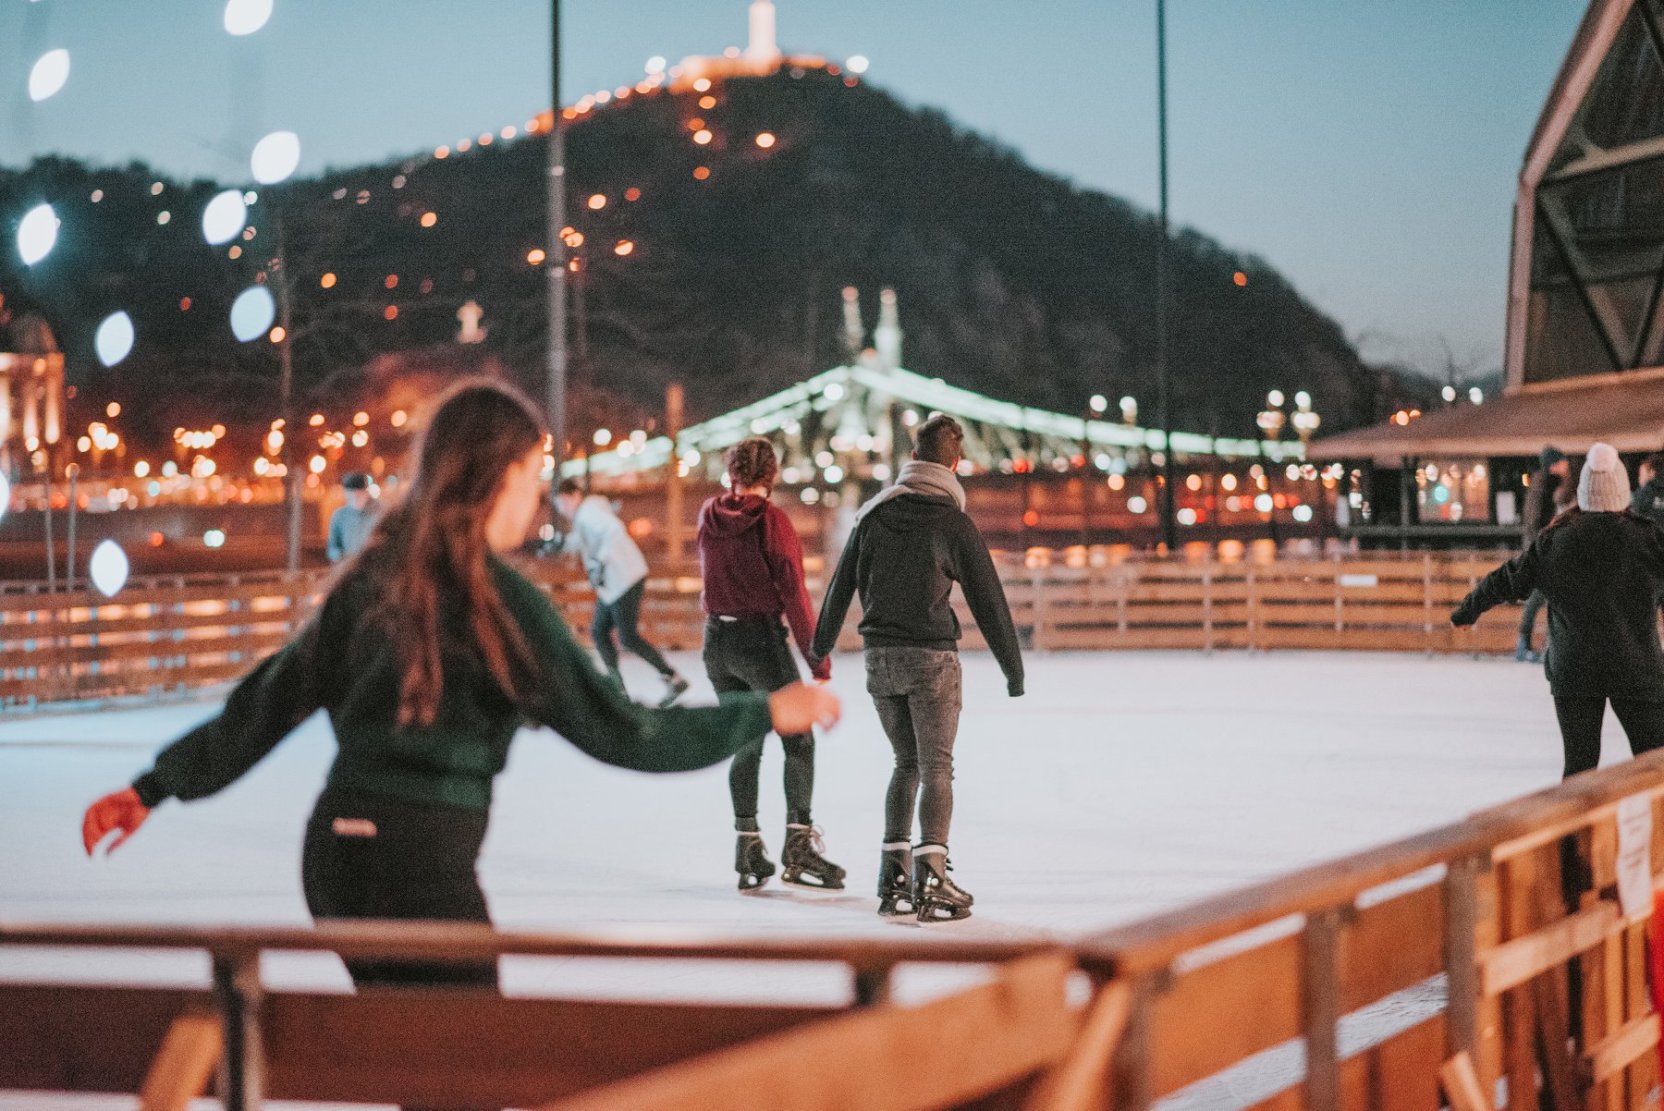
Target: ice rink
1122 784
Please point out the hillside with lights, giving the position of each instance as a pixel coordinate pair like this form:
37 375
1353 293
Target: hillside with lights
712 225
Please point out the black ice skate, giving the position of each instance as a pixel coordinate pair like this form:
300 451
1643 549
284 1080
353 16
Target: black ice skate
675 687
895 881
803 864
751 861
937 898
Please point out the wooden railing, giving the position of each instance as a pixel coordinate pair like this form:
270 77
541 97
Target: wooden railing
168 635
1498 962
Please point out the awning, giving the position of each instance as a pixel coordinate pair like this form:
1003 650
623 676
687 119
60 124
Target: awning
1624 410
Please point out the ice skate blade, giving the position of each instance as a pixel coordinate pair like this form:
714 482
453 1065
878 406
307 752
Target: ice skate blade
803 884
928 915
757 884
888 908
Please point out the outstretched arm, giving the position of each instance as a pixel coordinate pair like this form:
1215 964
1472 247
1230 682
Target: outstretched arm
1512 582
263 709
839 592
570 696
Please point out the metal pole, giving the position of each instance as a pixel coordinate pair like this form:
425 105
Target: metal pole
74 471
51 553
1169 525
286 397
556 387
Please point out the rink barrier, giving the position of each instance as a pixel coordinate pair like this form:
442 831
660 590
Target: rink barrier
1490 963
168 636
996 1040
1502 938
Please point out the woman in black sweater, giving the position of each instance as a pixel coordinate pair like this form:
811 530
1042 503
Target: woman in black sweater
429 653
1601 568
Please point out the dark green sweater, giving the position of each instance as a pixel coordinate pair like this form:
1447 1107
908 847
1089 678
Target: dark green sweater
344 661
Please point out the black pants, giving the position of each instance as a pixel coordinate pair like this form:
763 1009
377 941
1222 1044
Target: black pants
374 856
751 654
1580 723
624 615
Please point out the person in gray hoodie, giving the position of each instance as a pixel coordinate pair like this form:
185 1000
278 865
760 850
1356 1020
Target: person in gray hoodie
618 572
910 545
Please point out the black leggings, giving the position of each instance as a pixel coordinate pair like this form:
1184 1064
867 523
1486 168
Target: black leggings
751 654
1580 725
625 615
374 856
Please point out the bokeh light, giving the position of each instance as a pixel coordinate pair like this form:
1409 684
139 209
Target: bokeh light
114 338
252 313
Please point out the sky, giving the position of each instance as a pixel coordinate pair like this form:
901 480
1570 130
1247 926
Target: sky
1369 151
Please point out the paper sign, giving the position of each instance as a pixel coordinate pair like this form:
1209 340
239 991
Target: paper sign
1635 856
1360 580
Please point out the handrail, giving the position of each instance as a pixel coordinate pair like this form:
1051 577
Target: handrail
386 940
1156 941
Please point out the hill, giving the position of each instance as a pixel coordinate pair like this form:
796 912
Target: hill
719 265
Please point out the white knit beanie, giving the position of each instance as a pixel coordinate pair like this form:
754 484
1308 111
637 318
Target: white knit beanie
1604 485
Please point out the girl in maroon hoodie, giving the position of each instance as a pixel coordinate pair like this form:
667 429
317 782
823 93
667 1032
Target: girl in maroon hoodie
752 563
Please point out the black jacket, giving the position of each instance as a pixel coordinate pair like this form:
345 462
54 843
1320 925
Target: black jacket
1648 501
1602 574
904 558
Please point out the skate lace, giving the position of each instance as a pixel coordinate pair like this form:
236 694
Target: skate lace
817 841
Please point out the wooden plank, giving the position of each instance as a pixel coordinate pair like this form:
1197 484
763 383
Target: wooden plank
1617 1052
399 1045
1399 1074
61 1038
1514 962
1461 1085
1218 1014
1080 1081
185 1065
968 1045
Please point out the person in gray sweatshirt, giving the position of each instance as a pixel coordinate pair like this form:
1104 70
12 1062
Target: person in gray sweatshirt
911 543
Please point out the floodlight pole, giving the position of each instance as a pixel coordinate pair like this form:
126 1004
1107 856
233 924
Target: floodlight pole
556 256
1164 372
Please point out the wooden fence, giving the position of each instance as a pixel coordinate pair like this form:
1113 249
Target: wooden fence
1500 962
167 635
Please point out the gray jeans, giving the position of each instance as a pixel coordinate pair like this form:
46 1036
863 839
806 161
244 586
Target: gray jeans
917 692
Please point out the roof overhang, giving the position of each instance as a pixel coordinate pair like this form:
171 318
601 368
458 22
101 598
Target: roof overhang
1624 410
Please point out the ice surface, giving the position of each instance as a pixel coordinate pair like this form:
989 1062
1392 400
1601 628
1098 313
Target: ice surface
1122 784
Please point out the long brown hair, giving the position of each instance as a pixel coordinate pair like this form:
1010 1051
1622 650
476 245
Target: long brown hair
434 541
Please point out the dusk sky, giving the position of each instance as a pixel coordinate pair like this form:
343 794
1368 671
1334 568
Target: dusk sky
1367 150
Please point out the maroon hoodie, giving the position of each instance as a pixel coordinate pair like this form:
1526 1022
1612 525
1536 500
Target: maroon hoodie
752 562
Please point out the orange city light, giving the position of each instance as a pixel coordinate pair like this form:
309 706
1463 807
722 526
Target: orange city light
598 201
624 247
765 139
536 255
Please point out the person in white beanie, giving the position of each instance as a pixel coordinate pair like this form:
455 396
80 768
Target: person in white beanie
1601 568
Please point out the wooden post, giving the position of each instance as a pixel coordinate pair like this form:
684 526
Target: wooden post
1461 916
242 1065
673 414
1130 1086
872 985
1320 1006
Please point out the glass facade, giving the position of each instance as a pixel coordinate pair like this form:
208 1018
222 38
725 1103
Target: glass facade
1597 253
